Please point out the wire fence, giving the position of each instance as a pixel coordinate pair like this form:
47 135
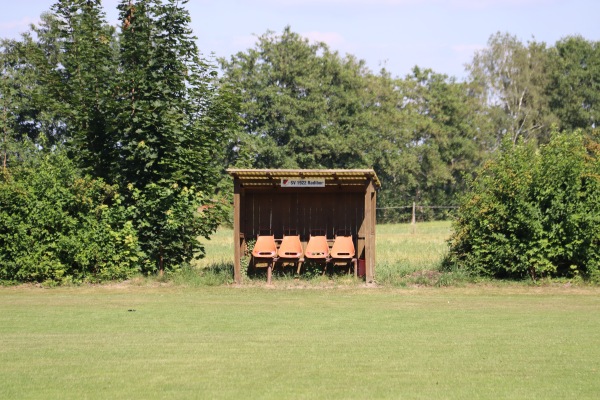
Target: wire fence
414 213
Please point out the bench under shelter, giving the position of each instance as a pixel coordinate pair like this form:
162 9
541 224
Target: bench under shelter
291 216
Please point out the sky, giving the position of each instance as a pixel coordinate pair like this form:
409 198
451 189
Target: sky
396 34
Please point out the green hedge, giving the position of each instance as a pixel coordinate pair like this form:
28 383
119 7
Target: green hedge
58 226
533 213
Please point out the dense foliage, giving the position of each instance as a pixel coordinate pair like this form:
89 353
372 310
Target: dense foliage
59 226
169 125
305 106
134 116
533 213
135 121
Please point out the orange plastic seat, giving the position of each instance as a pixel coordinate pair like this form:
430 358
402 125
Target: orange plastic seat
343 248
317 247
343 251
265 247
265 251
290 248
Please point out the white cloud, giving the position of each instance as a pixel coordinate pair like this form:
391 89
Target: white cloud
245 41
467 48
20 26
454 3
332 39
482 4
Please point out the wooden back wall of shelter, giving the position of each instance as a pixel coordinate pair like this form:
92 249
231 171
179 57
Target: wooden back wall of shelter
304 210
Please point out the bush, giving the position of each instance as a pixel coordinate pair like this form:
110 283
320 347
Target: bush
58 226
169 220
532 213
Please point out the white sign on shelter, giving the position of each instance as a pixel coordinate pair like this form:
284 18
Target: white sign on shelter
302 183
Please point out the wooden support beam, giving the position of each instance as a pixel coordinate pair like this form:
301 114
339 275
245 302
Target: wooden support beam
369 232
238 242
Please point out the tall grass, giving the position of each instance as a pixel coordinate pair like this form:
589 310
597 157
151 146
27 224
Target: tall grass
410 253
406 254
218 249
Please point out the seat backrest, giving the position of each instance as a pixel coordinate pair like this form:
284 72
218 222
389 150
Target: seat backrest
343 247
290 247
265 247
317 247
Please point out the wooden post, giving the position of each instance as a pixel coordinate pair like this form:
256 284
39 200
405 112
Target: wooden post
374 227
237 246
269 272
414 217
369 224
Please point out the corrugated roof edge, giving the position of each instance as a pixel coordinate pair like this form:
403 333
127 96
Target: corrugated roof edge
290 173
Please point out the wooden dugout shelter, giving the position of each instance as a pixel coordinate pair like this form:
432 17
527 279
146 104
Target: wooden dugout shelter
330 200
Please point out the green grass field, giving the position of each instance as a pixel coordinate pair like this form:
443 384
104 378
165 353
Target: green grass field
252 342
321 337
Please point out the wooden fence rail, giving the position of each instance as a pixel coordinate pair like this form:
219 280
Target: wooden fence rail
414 213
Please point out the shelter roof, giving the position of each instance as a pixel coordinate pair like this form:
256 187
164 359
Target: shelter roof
269 177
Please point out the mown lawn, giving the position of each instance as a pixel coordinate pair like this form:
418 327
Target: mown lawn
125 341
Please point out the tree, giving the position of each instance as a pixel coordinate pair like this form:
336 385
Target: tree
86 71
574 86
514 79
448 135
57 80
306 107
8 100
172 124
24 116
301 105
141 112
390 147
41 53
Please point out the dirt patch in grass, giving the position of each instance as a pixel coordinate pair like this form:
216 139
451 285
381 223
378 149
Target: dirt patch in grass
429 276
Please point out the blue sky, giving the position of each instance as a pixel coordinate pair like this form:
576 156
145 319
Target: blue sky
399 34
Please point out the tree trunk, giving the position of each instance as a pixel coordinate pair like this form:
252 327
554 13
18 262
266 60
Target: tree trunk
161 267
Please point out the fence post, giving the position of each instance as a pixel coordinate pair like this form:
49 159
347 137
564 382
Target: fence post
414 219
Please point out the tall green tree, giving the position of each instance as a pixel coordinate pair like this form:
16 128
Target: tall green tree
9 97
305 106
514 77
390 147
86 74
139 111
574 87
301 104
41 53
58 78
172 124
448 135
26 114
